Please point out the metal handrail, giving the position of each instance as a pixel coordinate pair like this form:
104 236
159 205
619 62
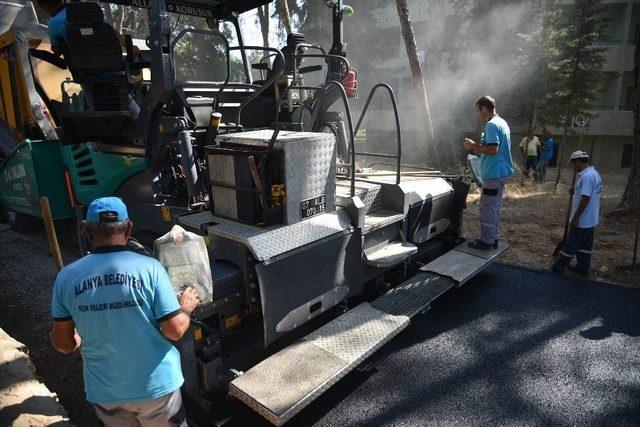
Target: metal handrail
398 156
347 109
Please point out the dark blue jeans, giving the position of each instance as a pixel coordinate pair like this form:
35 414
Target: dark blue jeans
531 164
579 244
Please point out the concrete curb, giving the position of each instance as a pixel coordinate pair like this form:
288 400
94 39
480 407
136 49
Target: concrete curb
24 400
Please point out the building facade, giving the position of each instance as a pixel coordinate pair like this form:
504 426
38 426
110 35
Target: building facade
376 48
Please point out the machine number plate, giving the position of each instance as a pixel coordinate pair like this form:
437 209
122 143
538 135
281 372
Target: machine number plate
314 206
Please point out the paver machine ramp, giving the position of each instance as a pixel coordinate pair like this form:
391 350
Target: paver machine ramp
282 385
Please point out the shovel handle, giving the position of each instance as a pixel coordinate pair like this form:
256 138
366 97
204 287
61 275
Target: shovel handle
568 216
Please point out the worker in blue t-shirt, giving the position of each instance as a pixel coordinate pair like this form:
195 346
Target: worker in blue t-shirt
585 215
546 153
496 166
119 309
57 24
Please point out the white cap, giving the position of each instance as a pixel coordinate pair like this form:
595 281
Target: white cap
579 154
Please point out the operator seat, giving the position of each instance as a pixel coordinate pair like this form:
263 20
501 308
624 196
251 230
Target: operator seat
94 56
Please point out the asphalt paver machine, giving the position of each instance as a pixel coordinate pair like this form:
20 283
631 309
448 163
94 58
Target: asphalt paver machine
315 264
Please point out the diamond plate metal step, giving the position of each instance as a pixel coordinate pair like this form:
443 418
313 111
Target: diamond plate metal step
462 262
369 193
381 218
390 254
282 385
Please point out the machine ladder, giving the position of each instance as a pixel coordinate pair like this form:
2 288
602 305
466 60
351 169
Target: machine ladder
282 385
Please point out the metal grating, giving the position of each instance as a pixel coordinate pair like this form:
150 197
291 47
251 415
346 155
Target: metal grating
427 284
413 295
401 302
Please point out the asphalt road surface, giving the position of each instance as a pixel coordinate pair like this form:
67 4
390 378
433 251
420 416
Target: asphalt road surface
513 346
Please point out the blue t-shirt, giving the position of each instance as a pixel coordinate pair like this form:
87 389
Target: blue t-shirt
499 165
117 298
588 184
58 28
547 149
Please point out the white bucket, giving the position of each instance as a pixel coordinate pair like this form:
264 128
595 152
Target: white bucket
8 13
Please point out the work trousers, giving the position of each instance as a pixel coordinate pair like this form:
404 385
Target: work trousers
164 411
531 164
579 243
542 169
490 202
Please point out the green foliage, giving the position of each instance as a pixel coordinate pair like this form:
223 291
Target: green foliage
566 68
197 57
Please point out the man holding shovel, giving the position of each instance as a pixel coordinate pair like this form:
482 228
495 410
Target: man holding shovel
585 213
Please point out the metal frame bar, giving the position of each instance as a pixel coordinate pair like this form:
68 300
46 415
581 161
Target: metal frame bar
398 156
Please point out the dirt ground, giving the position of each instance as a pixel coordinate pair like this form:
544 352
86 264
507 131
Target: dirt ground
532 222
27 273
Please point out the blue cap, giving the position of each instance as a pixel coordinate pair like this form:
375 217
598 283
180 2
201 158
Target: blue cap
107 209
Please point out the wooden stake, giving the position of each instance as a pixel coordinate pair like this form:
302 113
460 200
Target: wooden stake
54 249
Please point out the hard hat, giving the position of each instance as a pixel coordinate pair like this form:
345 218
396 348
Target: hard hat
579 154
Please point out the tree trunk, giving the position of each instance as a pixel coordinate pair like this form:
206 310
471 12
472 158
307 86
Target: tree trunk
119 20
631 197
417 75
263 16
560 161
285 16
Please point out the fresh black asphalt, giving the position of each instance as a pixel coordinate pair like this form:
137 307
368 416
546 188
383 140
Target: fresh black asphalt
513 346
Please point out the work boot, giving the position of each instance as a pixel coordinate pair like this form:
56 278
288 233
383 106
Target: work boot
578 271
479 244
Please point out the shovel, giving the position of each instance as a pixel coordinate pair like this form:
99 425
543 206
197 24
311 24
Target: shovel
560 244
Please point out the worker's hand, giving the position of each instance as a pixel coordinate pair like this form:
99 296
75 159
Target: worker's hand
469 144
189 300
78 339
571 191
573 223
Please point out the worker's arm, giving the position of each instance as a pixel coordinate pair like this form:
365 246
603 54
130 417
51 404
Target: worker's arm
64 337
469 144
177 324
584 201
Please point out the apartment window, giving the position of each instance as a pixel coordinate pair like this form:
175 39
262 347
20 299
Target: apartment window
627 154
628 92
614 14
607 98
634 28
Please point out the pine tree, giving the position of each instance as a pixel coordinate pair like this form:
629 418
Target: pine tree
572 76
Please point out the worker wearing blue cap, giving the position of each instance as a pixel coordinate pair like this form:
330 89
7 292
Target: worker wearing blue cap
119 309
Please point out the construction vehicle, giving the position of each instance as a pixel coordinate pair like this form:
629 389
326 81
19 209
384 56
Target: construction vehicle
314 264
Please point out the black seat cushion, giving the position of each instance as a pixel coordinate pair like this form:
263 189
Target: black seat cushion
93 47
